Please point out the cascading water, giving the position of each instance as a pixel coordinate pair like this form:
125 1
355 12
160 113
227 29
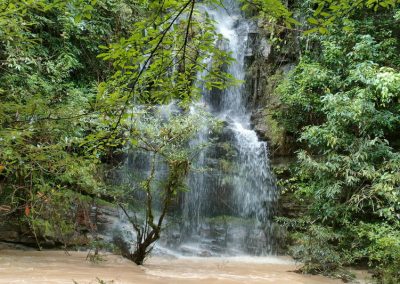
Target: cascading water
229 206
230 202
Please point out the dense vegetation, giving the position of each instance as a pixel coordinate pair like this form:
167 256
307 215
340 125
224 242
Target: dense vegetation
49 74
73 73
341 102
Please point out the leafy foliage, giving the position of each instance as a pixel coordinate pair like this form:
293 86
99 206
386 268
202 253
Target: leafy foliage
161 59
46 112
71 74
339 12
273 15
342 104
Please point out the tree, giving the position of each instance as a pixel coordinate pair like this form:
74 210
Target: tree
165 143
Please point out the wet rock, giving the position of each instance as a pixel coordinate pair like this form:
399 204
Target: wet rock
185 250
14 233
14 246
9 236
205 254
265 48
104 217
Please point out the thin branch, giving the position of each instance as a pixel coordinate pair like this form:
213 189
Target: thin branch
133 222
187 33
55 118
153 52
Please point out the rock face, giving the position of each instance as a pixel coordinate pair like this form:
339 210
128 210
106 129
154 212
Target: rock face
14 233
267 65
288 207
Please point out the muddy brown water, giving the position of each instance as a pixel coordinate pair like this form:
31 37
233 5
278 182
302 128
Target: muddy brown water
58 267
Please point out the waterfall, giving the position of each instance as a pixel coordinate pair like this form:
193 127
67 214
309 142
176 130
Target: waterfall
229 207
